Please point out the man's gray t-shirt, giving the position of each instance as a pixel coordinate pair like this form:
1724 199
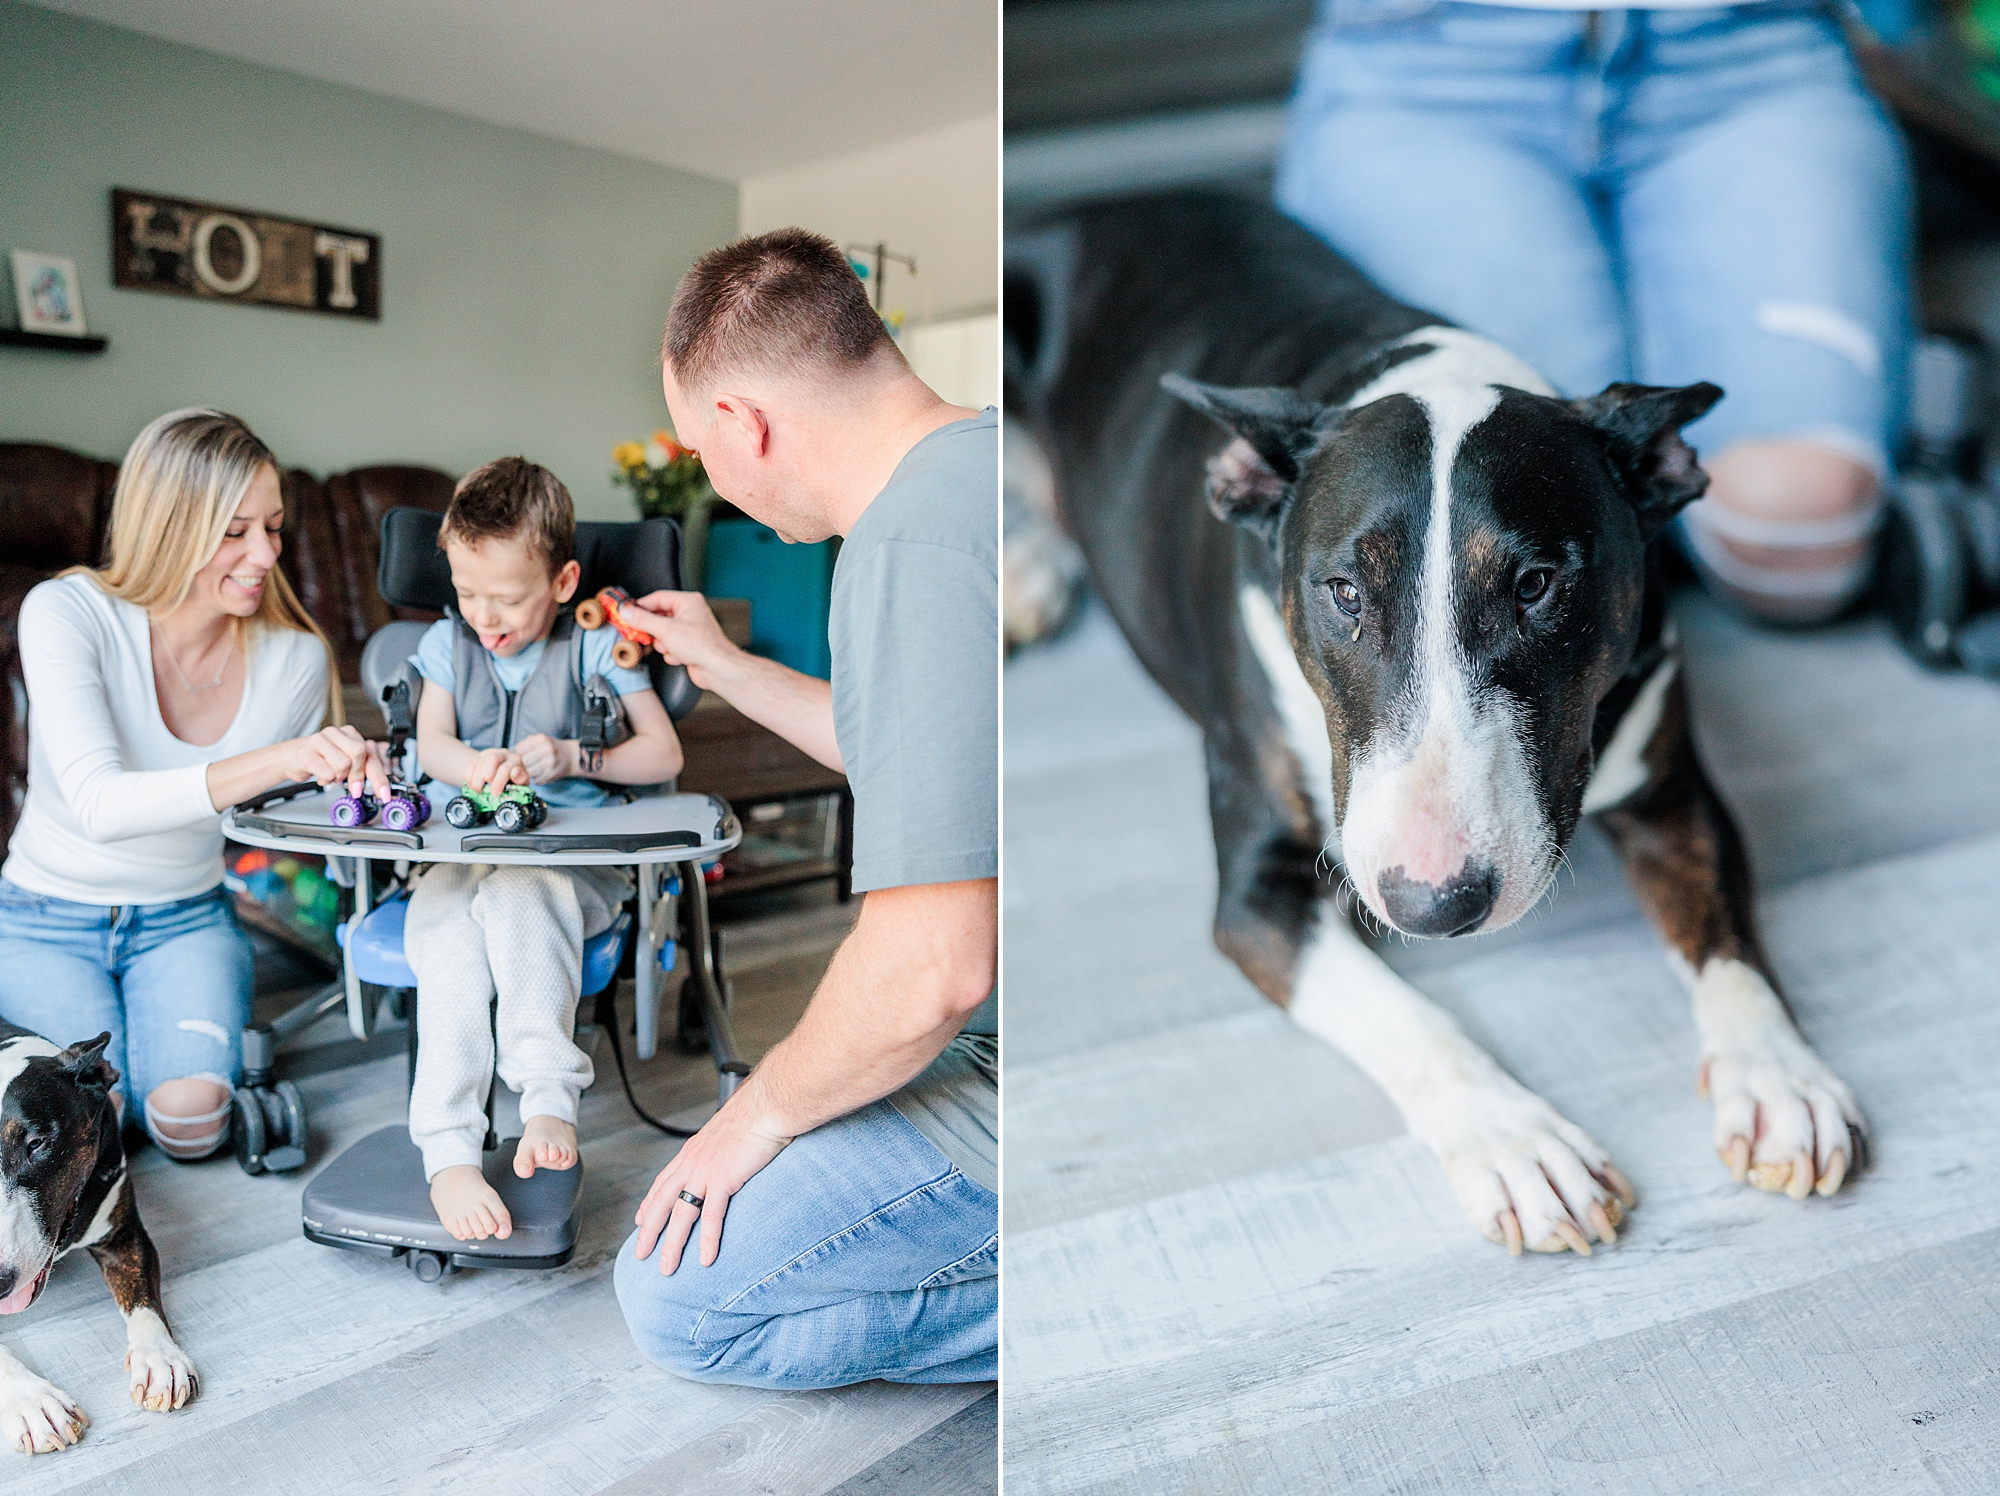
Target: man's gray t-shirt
915 632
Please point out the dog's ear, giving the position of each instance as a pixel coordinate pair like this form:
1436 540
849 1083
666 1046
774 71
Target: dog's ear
1250 479
87 1063
1643 422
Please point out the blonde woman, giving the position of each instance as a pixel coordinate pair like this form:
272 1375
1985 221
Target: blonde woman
181 678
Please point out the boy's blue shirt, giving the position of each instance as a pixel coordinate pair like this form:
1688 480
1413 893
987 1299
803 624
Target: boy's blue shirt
433 661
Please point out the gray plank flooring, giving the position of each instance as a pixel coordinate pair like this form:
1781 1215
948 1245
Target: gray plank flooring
323 1371
1229 1269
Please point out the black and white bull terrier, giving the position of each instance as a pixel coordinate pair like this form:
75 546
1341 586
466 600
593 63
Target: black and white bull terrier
63 1184
1420 625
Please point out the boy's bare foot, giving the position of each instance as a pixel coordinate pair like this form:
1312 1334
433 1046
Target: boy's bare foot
546 1143
467 1205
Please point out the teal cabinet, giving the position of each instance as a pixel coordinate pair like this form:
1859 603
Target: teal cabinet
789 588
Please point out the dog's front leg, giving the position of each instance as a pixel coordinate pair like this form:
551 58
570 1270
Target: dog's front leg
1783 1120
1524 1174
162 1376
36 1416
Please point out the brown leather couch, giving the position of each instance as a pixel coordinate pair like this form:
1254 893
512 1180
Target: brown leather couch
55 510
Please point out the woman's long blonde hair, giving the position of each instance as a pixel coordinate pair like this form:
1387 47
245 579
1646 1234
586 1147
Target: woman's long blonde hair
177 492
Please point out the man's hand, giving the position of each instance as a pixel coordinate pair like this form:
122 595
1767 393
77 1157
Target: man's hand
546 759
686 633
338 755
712 1166
493 769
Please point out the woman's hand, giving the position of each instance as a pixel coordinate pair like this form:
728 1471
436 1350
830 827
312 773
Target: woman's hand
546 759
336 755
493 769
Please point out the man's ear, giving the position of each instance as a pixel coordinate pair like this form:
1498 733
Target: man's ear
87 1064
743 414
1251 478
1643 423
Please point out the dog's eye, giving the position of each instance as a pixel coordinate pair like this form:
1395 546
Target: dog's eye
38 1144
1346 596
1533 585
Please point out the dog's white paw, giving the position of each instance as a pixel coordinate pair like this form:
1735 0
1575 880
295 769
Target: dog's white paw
163 1377
37 1417
1784 1122
1525 1175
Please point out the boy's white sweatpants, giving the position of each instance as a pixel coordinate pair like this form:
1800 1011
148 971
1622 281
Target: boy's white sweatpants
475 931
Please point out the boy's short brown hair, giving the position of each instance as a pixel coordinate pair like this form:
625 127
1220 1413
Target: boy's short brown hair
513 498
775 300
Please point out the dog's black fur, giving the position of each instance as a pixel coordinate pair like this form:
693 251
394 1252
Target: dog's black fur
1134 329
64 1183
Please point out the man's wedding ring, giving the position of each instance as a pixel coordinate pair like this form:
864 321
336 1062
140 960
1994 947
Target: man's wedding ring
694 1200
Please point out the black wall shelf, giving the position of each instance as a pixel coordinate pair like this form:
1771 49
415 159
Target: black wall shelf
12 337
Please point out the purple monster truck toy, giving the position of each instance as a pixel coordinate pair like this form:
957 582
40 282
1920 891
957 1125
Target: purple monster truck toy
406 809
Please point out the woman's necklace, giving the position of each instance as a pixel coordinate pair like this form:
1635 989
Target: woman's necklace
187 685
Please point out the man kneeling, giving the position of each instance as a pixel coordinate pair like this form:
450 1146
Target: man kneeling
857 1165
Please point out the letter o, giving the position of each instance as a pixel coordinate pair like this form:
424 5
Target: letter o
204 267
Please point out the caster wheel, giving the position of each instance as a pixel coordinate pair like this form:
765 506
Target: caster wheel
399 815
349 811
590 614
627 653
462 813
288 1135
429 1266
1923 571
510 818
247 1130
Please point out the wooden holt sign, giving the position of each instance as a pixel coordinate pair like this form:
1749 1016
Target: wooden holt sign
184 248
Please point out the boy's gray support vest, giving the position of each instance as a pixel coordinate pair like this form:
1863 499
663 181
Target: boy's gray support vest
491 716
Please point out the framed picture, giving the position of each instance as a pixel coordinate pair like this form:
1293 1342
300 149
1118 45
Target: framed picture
47 294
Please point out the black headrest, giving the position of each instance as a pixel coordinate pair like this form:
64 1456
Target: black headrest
641 556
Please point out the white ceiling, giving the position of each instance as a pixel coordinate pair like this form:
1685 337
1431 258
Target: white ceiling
729 90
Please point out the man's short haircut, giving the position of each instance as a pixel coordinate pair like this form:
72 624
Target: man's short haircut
770 302
512 498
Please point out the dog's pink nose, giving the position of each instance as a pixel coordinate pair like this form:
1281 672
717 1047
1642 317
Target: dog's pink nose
1457 906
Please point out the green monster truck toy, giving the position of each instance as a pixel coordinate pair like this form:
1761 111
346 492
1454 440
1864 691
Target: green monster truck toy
516 808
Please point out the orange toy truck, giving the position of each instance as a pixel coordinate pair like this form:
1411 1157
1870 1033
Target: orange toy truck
595 612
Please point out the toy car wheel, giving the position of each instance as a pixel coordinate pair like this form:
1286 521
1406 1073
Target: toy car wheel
423 808
399 815
627 653
537 813
247 1129
347 812
510 817
462 813
590 614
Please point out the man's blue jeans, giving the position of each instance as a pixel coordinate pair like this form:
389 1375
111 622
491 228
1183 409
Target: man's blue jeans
859 1252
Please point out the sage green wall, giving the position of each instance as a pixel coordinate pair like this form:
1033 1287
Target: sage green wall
524 281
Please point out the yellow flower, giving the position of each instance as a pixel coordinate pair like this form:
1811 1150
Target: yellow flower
629 455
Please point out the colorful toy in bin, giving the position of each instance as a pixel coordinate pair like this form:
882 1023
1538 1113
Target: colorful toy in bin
595 612
406 809
516 808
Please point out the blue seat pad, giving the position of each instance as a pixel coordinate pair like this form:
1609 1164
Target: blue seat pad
376 948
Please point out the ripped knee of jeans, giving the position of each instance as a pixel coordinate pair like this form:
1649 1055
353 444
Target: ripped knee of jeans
181 1133
1787 530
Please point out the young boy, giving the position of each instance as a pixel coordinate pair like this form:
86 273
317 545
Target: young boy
504 677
